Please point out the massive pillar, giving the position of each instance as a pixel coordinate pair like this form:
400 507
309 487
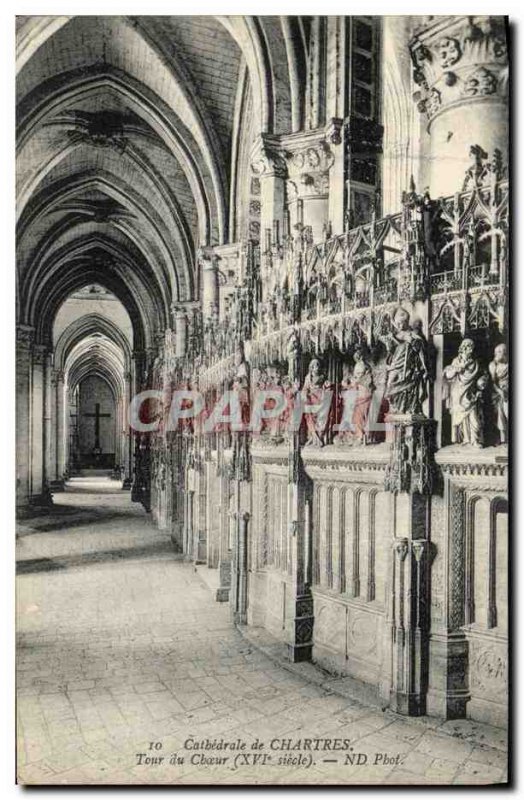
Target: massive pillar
461 68
24 341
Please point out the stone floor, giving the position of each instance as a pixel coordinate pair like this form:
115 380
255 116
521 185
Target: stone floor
122 651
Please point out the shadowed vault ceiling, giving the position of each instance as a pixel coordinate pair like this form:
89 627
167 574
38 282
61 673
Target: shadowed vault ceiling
125 130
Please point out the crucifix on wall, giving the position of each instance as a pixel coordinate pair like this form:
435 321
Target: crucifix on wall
97 416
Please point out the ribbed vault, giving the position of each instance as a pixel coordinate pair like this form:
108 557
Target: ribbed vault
125 151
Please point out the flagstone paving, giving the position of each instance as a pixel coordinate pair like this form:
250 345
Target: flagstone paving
126 662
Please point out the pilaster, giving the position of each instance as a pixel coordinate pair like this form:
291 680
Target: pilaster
410 477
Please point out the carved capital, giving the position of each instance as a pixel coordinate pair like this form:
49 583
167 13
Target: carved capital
419 547
334 130
39 354
57 377
25 335
207 258
457 59
401 547
309 160
267 159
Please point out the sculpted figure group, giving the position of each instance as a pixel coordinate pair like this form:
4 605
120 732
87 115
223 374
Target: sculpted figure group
466 383
393 391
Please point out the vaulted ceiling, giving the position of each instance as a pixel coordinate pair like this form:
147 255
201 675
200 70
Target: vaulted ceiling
125 130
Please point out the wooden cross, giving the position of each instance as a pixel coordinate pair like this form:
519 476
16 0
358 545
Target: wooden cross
97 417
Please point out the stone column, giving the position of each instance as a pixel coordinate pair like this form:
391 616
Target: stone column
37 423
300 641
180 325
71 421
24 342
122 434
224 562
240 567
51 470
269 164
310 159
201 532
212 501
300 634
49 413
189 516
61 429
461 69
139 369
128 451
208 262
338 62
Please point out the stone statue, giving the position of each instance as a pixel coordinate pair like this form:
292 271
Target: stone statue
464 384
407 370
361 382
318 424
293 353
241 384
499 371
275 427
